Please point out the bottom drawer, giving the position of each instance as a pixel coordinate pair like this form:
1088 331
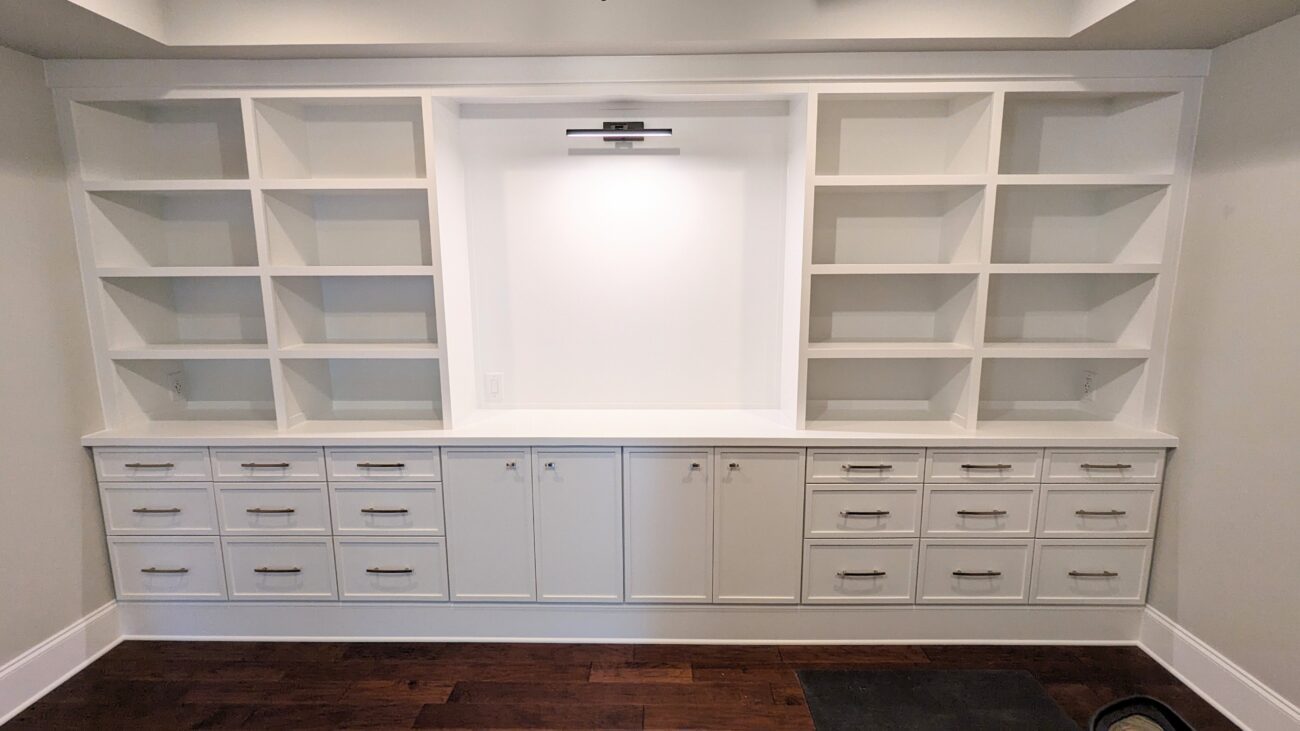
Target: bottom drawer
392 569
974 572
1091 572
859 572
167 568
280 568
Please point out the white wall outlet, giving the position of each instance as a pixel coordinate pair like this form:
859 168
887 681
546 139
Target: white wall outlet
494 387
1089 386
176 386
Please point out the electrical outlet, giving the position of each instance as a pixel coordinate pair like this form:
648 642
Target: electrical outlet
1089 386
493 387
176 386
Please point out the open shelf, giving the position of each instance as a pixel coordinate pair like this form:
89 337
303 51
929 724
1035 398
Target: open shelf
146 311
189 139
1090 132
340 138
1116 309
172 228
891 389
892 308
362 390
922 225
348 228
355 310
902 134
1080 224
188 390
1049 389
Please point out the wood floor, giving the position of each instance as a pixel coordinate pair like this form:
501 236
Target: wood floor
178 685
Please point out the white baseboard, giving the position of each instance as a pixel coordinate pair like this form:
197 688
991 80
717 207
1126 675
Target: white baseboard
1236 693
41 669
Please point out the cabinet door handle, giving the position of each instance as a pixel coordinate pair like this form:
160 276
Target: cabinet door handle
381 570
864 513
381 465
1093 574
270 511
986 466
695 465
274 570
150 465
263 465
155 511
851 467
1116 466
386 511
977 574
1100 513
511 465
982 513
860 574
733 466
156 570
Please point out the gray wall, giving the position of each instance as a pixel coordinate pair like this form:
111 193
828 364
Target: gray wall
53 560
1227 564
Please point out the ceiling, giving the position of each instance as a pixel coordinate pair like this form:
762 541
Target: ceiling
256 29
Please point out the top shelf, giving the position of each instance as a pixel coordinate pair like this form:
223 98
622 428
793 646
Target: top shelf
340 138
1090 132
885 134
164 140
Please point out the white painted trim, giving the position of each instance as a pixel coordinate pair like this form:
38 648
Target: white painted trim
1240 696
28 677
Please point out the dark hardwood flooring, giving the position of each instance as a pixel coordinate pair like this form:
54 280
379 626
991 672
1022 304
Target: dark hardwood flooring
179 685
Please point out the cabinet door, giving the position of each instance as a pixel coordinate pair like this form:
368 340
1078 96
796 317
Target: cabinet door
758 527
488 501
578 509
668 525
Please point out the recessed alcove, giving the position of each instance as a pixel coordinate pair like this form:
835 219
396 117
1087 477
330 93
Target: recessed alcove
160 139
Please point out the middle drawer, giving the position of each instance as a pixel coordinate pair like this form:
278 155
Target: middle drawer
844 511
408 508
283 509
962 511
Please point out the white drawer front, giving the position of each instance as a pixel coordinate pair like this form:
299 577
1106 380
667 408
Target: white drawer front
846 512
390 569
122 464
1111 465
274 509
187 569
859 572
974 572
952 512
280 568
865 465
1013 465
419 465
152 509
367 509
1091 572
268 465
1098 511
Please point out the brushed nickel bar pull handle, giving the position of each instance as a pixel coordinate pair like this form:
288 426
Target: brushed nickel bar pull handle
1116 466
1100 513
155 511
156 570
864 513
381 570
383 465
150 465
270 511
385 511
860 574
1093 574
268 465
986 467
982 513
977 574
851 467
273 570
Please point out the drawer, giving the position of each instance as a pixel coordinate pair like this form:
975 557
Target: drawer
1091 572
181 508
122 464
1110 465
1012 465
848 512
859 572
274 509
280 568
419 465
365 509
389 569
865 465
994 512
974 572
268 465
1100 511
150 568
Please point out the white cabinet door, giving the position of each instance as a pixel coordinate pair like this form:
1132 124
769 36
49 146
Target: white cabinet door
668 525
758 526
488 501
578 510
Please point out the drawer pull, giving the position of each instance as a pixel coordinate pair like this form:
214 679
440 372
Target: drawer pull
977 574
733 466
274 570
156 570
1116 466
549 465
511 465
155 511
981 513
385 511
150 465
1100 513
864 513
381 570
852 467
695 465
1093 574
382 465
264 465
271 511
860 574
986 467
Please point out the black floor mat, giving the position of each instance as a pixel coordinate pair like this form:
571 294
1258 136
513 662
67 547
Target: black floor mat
934 700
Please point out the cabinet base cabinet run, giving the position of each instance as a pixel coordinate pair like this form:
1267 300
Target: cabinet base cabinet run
637 525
